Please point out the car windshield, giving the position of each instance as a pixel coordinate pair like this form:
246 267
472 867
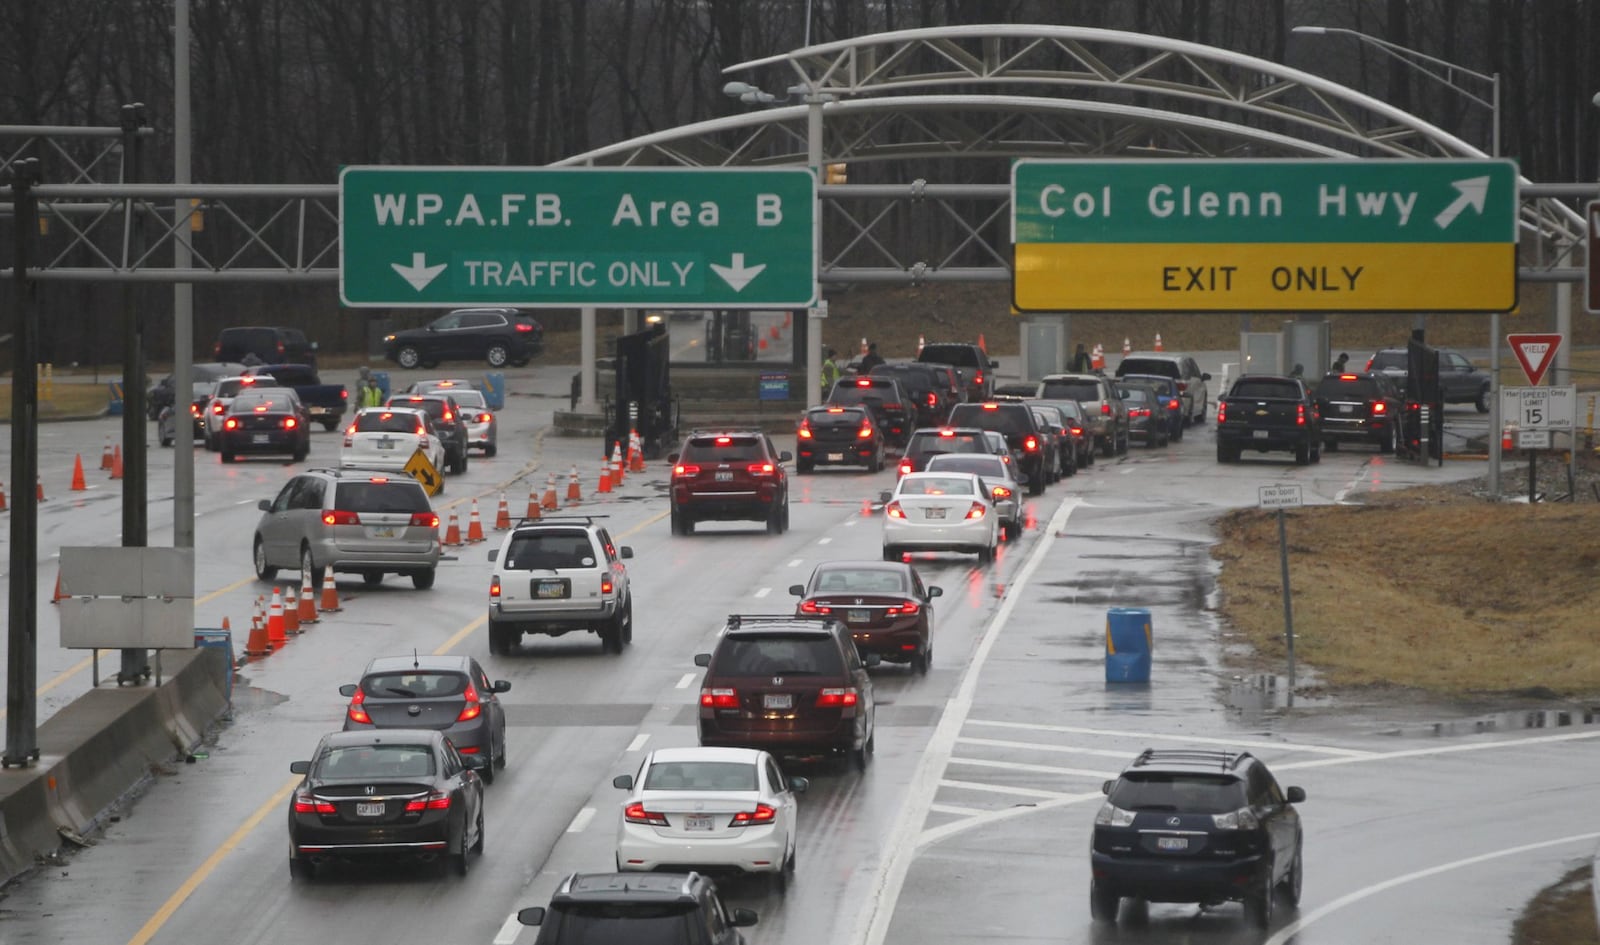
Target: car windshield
985 464
434 407
607 923
778 654
1147 366
1072 390
723 449
1266 387
385 421
550 550
836 416
1190 793
232 386
260 402
1136 395
932 444
382 495
701 776
1388 360
936 485
1001 419
958 355
1070 409
470 399
872 580
415 684
1347 387
376 762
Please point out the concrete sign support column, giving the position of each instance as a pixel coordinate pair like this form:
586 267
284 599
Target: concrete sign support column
22 611
586 356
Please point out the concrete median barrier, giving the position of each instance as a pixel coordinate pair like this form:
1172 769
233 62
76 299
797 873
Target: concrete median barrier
100 747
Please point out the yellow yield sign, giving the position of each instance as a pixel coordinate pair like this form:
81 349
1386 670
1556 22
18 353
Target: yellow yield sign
421 469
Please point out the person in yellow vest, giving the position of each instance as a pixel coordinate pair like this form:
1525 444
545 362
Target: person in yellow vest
830 373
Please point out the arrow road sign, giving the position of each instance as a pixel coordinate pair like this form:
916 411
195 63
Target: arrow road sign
1472 191
1535 352
421 468
427 237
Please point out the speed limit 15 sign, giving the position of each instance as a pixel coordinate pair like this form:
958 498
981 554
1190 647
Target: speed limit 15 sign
1538 408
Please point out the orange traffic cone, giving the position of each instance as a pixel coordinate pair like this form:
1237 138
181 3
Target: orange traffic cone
277 635
1097 360
257 644
1127 346
981 346
1158 342
2 498
618 473
474 524
533 503
38 489
920 344
863 347
452 534
308 601
330 593
548 500
502 516
58 596
605 476
636 451
78 485
116 463
105 454
775 332
291 611
574 493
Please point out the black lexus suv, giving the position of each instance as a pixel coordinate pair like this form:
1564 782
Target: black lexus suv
1191 825
658 908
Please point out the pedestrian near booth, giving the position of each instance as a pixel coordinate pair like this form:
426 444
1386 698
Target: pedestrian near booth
871 360
830 372
1081 363
371 393
1339 363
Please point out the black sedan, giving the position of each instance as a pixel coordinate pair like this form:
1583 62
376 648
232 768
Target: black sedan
884 603
396 794
265 421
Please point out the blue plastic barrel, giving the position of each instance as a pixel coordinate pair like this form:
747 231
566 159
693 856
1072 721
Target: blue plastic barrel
220 639
494 390
114 389
1128 644
382 377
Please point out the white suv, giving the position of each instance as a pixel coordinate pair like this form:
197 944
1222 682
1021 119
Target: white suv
557 575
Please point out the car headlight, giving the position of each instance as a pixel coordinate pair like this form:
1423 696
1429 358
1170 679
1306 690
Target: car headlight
1111 815
388 338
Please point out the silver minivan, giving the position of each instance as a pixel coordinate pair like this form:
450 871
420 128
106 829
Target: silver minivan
354 521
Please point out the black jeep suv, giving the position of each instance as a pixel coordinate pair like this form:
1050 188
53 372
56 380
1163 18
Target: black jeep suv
1016 422
1205 826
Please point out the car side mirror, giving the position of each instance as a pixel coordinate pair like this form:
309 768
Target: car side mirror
494 554
1105 787
533 915
625 551
798 590
299 767
473 762
1022 478
1295 794
785 456
799 785
672 458
994 365
702 659
623 781
935 591
741 918
347 690
1204 376
885 496
264 505
501 685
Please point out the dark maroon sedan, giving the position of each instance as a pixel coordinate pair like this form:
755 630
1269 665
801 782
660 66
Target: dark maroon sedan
884 604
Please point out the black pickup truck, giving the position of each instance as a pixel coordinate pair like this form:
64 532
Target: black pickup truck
1264 412
326 402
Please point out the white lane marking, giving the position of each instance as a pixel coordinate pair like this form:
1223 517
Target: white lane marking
824 541
1169 736
508 931
872 924
851 523
1039 746
1000 789
762 592
638 742
795 563
684 682
1361 474
948 809
1036 769
1288 932
581 821
1440 750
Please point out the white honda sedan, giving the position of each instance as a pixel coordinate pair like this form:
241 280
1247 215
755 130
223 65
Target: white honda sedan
940 511
709 809
387 438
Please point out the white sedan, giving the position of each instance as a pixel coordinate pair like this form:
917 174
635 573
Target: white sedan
387 438
1004 487
940 511
710 809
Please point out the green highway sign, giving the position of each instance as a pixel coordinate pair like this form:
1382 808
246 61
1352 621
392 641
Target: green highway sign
1265 235
433 237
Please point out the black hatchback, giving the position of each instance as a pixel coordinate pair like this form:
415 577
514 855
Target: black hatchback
1192 825
884 397
449 694
838 436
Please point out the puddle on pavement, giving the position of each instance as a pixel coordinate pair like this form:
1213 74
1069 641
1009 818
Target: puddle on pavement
1517 721
252 697
1261 694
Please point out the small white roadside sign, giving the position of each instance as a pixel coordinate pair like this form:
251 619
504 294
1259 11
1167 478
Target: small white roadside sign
1280 496
1539 408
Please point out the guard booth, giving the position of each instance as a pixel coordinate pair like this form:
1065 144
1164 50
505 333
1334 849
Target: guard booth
643 399
729 336
1422 428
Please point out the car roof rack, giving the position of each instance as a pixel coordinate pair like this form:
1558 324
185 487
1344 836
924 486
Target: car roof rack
735 621
1225 760
559 520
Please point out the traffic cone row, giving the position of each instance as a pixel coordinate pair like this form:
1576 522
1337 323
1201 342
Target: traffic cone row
635 452
1127 346
78 485
105 454
574 492
452 534
291 612
533 504
257 645
2 498
1158 342
308 602
38 490
1097 360
920 343
277 631
502 515
330 594
548 501
617 473
475 524
116 463
605 475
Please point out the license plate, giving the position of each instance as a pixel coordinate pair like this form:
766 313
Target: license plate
835 457
1172 843
382 531
697 822
1259 434
1347 408
785 701
935 513
369 810
725 476
858 616
386 444
550 589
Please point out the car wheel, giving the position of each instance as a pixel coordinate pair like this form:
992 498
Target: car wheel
227 457
1258 903
1103 903
497 356
302 869
1294 880
1302 454
299 456
859 757
211 443
1122 446
1386 445
498 646
1331 446
458 861
1108 448
308 566
802 468
986 555
422 580
372 578
608 638
477 845
920 661
1482 403
778 881
408 357
1316 452
490 450
264 571
775 520
1036 482
890 553
627 623
487 771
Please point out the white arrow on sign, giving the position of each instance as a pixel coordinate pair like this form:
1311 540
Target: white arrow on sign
419 273
1471 193
737 274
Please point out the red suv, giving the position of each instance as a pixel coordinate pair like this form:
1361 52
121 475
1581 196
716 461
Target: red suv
729 476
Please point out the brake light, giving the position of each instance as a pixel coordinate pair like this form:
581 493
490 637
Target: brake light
933 399
865 433
1183 387
289 423
434 801
232 423
1299 415
218 408
763 814
893 510
760 469
262 408
485 417
905 467
358 714
425 519
812 607
837 697
448 416
947 433
719 698
1077 431
1001 492
836 410
1138 412
280 347
494 586
724 440
978 379
908 609
1379 409
1172 404
473 708
635 813
194 410
1222 412
304 803
1347 377
805 432
685 470
991 406
522 327
605 585
978 510
863 382
1031 444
